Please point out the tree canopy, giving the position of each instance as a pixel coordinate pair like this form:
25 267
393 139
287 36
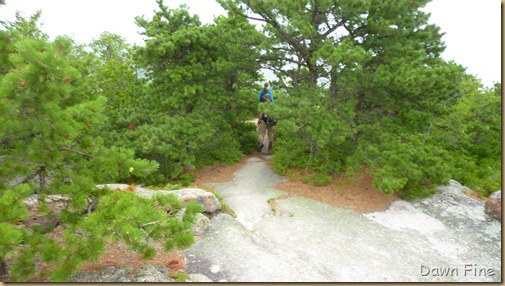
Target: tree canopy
364 84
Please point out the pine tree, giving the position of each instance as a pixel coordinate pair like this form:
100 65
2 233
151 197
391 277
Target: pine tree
471 132
365 82
50 145
197 91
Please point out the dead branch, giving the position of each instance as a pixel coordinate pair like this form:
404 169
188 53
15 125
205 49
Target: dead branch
77 152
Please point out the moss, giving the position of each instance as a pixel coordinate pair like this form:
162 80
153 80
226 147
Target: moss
180 277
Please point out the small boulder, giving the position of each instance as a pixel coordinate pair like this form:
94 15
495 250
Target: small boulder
114 187
197 277
149 273
207 199
493 205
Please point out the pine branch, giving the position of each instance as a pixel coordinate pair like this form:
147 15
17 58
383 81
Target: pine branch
77 152
92 205
332 29
150 223
34 174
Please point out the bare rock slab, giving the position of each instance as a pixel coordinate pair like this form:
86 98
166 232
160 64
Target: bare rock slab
207 199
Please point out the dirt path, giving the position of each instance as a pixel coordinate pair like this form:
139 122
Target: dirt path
356 193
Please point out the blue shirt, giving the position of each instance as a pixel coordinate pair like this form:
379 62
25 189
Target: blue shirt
269 92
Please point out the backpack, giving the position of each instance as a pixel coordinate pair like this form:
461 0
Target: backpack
262 95
269 120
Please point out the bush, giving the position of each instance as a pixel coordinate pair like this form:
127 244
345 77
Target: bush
321 179
406 164
246 135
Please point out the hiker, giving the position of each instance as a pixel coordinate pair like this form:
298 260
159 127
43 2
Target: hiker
266 127
264 93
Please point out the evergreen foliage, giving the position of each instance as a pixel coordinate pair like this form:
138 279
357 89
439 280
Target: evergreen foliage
50 145
190 104
365 86
471 132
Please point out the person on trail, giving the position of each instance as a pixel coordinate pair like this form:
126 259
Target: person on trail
264 93
265 127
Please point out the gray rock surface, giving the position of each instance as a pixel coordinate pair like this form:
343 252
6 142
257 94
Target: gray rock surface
198 278
34 199
248 194
229 252
198 228
145 273
107 274
444 238
149 273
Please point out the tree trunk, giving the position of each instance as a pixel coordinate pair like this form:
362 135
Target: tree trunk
314 75
333 83
3 270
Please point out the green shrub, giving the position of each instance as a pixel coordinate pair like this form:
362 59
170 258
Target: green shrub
406 164
246 135
321 179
